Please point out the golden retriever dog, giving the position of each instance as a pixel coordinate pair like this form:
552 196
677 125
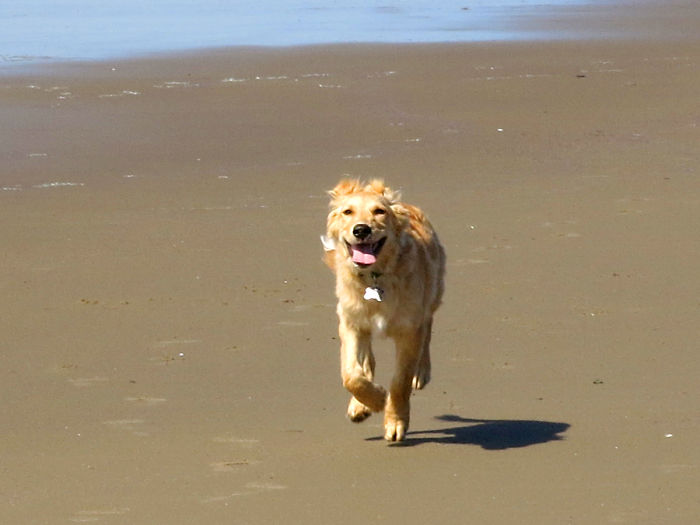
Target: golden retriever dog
389 267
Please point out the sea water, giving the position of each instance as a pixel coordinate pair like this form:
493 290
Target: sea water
59 30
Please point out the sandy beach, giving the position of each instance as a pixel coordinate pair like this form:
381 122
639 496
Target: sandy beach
169 335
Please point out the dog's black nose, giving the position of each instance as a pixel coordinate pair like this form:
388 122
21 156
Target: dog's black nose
361 231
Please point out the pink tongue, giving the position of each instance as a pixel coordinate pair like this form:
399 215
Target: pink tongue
361 254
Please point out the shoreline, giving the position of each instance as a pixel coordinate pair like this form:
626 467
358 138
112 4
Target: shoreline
607 20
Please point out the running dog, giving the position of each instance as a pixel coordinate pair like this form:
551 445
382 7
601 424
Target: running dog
389 267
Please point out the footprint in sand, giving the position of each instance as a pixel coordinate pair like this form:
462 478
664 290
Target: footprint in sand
83 382
241 461
147 401
292 323
87 516
245 442
248 489
176 342
232 465
130 425
624 516
676 468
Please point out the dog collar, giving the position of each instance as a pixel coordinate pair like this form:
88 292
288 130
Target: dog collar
373 275
374 293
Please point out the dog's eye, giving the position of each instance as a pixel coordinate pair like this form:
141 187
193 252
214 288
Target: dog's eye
379 211
347 211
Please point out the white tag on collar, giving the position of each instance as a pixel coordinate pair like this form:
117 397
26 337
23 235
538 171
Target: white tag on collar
372 293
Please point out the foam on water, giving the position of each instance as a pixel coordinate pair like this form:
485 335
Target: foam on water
39 30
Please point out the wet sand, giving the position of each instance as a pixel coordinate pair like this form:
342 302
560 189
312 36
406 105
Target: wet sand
169 335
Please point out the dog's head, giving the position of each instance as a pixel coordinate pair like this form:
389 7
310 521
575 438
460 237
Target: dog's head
364 221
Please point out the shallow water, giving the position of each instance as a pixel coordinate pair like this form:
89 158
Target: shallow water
41 30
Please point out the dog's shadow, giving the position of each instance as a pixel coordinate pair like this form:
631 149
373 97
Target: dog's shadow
488 434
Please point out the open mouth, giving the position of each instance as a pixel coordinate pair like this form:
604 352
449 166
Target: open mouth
365 254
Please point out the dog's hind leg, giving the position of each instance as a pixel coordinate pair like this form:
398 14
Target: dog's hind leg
357 370
422 375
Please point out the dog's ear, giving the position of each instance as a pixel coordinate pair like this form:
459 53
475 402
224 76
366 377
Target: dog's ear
413 217
344 187
402 215
393 196
328 243
378 186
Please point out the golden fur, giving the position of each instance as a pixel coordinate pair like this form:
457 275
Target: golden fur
389 279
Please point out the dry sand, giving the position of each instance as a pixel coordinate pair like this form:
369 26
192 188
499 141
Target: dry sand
168 331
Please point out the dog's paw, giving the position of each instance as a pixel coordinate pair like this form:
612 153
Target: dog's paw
395 428
357 412
396 416
421 378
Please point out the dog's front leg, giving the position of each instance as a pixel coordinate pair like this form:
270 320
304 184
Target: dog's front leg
357 368
357 411
397 412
